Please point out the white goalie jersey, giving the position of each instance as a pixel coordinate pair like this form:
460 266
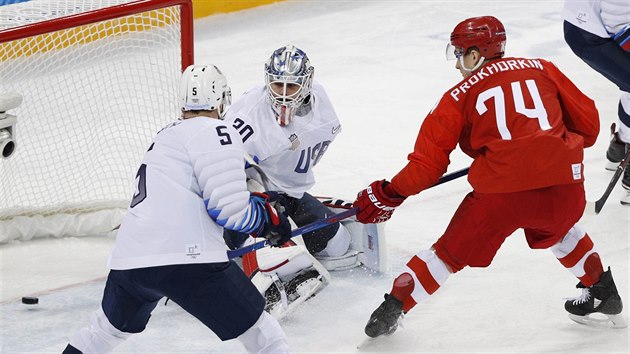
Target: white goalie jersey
286 154
193 166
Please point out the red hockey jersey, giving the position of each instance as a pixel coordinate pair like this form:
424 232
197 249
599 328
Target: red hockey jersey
523 122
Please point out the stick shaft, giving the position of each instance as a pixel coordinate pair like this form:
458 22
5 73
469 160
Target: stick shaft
599 204
331 219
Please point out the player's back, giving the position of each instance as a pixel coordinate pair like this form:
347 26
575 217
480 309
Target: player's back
167 222
515 125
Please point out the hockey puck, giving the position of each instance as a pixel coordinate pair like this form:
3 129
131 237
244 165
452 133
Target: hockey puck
30 300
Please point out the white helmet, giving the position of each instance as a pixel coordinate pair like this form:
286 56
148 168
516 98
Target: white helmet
204 88
289 78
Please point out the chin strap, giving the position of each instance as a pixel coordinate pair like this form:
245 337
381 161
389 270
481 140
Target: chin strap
479 63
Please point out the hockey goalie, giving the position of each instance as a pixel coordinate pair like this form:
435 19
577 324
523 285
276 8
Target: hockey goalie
287 124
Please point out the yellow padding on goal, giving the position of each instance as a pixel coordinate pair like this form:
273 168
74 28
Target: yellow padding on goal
87 34
203 8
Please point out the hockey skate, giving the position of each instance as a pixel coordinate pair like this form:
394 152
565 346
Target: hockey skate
616 150
602 298
384 320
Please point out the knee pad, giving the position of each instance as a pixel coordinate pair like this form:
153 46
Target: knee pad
338 245
287 277
100 336
265 336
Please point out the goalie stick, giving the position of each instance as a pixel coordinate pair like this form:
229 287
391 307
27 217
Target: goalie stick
596 207
331 219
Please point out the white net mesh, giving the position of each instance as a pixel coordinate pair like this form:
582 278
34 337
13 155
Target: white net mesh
94 97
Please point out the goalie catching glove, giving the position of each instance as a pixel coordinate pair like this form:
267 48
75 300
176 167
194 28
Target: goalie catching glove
376 203
276 229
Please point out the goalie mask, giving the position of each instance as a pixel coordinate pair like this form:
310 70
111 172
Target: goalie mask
204 88
485 33
289 78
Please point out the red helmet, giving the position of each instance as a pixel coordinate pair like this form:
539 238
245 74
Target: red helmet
486 33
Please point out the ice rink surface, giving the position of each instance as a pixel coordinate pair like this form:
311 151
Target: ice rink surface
383 65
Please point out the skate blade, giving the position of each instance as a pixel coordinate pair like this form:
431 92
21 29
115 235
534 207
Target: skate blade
368 340
365 343
610 321
611 166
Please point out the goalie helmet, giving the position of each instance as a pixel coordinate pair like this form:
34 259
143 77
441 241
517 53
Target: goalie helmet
204 88
289 79
486 33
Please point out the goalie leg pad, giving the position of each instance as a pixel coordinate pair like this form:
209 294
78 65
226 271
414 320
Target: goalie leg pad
367 242
287 277
338 245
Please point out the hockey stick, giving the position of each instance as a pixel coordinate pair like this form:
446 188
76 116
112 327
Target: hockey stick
331 219
596 207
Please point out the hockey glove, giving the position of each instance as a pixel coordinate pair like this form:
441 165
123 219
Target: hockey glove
623 38
375 205
281 201
277 228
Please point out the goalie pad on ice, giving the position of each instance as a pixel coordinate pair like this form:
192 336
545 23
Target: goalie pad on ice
367 245
287 277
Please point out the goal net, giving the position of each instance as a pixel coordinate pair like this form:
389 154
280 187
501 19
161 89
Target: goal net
98 78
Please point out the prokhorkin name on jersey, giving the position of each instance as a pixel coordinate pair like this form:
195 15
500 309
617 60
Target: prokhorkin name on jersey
490 69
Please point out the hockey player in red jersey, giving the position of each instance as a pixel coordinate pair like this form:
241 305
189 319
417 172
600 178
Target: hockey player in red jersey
526 125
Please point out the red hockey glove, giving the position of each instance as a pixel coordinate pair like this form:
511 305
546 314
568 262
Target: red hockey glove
375 205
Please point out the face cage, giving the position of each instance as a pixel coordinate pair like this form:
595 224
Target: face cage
283 105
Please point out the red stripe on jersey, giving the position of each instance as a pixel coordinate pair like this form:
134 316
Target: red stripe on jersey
420 268
582 247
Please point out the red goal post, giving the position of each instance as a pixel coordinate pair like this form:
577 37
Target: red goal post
109 13
99 79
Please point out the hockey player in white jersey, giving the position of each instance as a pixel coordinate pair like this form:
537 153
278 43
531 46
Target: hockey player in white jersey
191 184
598 31
287 125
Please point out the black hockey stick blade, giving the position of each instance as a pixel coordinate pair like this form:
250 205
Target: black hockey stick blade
599 204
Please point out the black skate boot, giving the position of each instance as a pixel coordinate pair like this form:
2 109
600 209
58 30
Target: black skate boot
616 150
601 298
384 320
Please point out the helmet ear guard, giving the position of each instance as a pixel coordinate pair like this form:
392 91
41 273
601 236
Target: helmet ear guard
204 88
486 33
